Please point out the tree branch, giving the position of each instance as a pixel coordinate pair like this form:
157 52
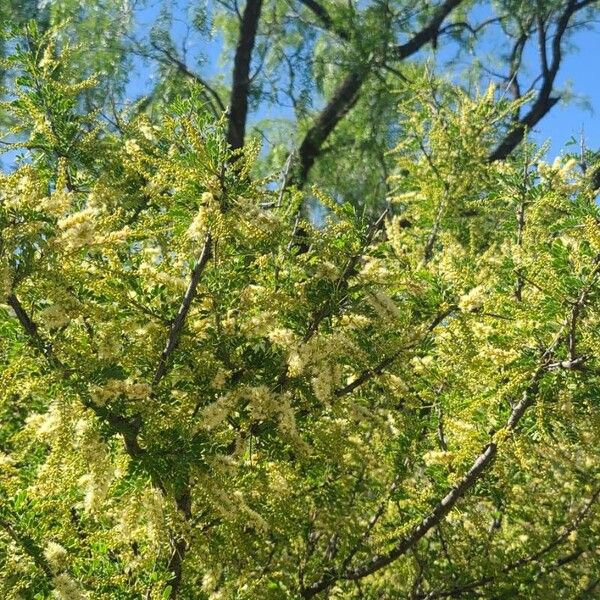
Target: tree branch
521 562
128 428
349 271
240 88
368 374
544 101
214 99
341 102
179 320
346 95
371 524
31 329
29 546
326 21
427 34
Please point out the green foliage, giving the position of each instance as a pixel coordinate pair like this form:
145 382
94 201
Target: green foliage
198 401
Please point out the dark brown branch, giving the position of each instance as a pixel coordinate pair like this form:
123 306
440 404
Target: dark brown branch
31 329
179 320
346 95
325 18
515 60
341 102
435 230
445 505
481 464
240 88
179 544
128 428
544 101
428 33
519 282
573 333
472 29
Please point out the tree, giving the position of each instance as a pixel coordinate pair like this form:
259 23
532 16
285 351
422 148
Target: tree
192 407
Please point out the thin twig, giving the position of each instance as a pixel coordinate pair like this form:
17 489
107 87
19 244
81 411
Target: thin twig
179 320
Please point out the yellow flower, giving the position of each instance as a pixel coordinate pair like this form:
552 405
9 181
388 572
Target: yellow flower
438 457
56 556
198 227
78 229
5 282
54 317
473 300
421 364
132 147
66 588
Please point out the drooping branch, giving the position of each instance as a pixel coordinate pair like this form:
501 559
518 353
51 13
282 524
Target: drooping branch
240 88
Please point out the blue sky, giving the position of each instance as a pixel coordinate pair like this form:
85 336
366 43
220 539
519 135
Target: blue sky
582 70
579 73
